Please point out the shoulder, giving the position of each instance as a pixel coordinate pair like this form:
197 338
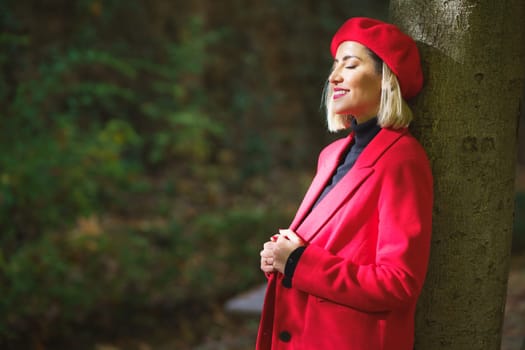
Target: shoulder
405 158
406 147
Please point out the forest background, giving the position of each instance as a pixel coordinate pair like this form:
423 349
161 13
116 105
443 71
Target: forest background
147 149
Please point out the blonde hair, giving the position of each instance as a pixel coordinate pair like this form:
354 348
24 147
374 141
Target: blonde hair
393 110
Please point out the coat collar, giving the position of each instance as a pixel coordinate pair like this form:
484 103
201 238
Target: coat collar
307 222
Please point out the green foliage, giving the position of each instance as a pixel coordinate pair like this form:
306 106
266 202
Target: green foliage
60 280
233 239
83 125
87 122
107 115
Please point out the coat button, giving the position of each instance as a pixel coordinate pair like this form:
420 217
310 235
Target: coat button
285 336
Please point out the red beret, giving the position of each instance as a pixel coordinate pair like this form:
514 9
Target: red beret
395 48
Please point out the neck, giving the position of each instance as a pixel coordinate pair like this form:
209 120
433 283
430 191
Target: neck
365 131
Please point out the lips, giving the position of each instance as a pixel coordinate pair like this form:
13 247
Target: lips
338 93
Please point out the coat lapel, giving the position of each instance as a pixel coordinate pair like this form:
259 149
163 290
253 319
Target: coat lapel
307 222
324 174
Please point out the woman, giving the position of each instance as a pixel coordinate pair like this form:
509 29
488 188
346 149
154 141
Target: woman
349 270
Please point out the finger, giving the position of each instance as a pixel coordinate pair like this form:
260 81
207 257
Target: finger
269 245
267 260
280 238
267 269
266 254
286 233
282 241
292 236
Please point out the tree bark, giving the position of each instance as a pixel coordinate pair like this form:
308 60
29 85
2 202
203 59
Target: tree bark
473 58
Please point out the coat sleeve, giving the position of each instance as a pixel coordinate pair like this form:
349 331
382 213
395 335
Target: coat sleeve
404 207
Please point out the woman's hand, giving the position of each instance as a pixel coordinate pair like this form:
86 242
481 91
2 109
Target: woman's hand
278 249
267 256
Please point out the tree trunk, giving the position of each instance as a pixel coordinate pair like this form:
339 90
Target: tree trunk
473 58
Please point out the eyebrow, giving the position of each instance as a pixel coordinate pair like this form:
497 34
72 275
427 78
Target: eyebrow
347 57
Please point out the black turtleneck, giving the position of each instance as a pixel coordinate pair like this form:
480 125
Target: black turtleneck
363 134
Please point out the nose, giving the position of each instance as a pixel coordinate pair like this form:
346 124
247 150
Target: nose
335 77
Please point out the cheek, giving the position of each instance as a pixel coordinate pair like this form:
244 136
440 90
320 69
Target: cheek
371 86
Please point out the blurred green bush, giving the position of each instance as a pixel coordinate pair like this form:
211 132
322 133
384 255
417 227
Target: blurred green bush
58 281
121 188
85 123
84 126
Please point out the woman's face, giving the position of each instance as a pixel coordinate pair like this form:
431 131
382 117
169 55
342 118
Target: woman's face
355 83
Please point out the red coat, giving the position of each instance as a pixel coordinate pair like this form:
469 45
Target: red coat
356 284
